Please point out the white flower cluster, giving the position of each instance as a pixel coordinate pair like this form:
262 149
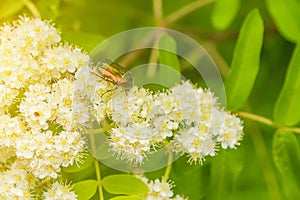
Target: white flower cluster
188 118
37 131
204 125
160 190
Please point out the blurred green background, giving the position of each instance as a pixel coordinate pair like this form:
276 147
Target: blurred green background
250 171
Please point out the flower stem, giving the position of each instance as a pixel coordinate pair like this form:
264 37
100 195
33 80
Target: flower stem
32 8
267 121
257 118
186 10
100 130
97 168
98 175
158 12
290 129
169 167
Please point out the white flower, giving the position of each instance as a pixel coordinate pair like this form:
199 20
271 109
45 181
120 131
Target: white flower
59 191
10 130
231 132
15 182
131 143
160 190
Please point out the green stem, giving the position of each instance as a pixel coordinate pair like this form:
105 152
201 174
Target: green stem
158 12
98 175
257 118
158 15
267 121
290 129
168 168
186 10
32 8
100 130
97 169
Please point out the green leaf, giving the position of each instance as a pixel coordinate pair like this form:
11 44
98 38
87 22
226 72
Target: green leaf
286 155
246 60
126 198
9 7
167 47
86 170
81 166
225 169
195 177
124 184
286 16
168 57
85 189
286 111
224 13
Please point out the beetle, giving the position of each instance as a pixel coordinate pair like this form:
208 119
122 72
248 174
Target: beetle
114 73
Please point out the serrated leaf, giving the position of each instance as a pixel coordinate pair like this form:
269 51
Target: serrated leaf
124 184
286 111
286 16
168 57
224 13
286 155
85 189
81 166
246 61
9 7
126 198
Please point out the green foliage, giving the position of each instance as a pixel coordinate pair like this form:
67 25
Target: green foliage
9 7
224 13
85 189
85 40
48 9
246 61
79 167
225 170
286 152
79 171
287 17
126 198
287 105
124 184
195 178
167 58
